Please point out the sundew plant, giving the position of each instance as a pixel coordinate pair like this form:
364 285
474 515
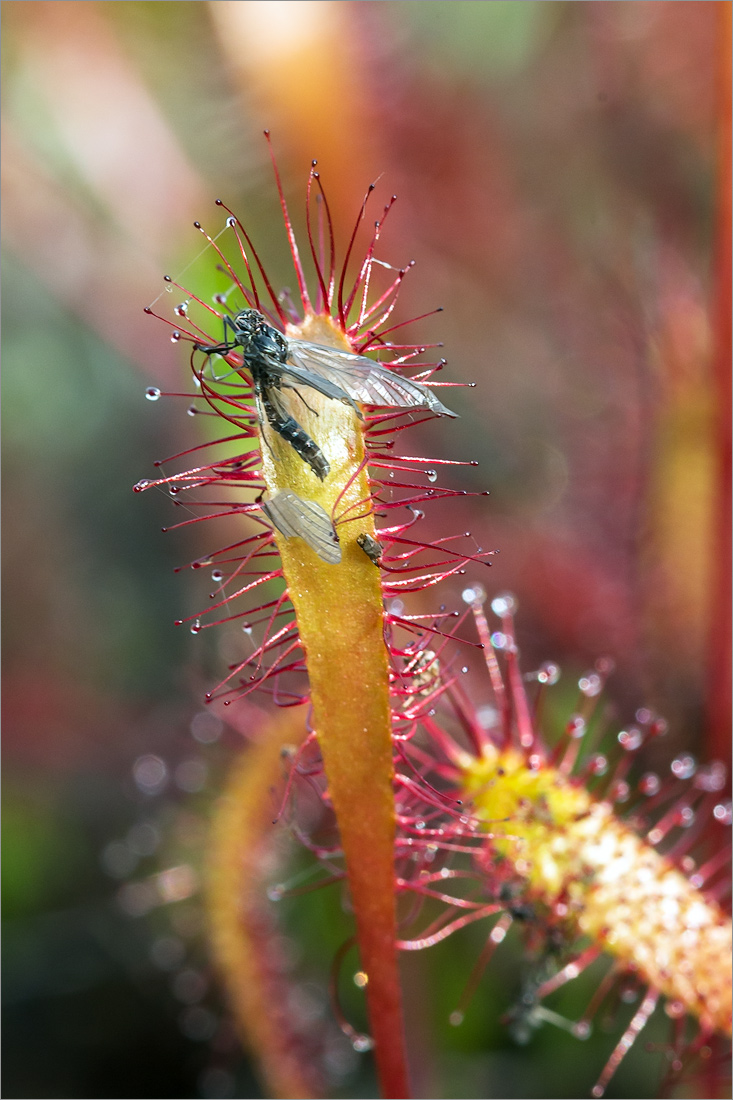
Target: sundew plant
437 810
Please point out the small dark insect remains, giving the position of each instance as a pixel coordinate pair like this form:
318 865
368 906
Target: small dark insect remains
371 547
276 363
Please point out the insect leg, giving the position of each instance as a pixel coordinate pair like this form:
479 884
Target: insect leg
300 395
262 416
226 345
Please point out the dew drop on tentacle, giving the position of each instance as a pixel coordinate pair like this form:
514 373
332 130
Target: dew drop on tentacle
576 726
630 740
650 784
505 604
476 594
591 684
152 393
549 673
620 791
723 812
683 766
685 817
195 627
598 764
712 777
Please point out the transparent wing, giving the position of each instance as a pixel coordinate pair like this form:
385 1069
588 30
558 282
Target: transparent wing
360 378
304 519
293 376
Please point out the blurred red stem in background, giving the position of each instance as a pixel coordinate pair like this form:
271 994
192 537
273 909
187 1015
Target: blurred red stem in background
719 686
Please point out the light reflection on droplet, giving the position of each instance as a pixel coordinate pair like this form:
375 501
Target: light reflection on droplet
712 777
576 726
175 883
150 774
118 860
206 727
167 952
722 813
631 739
598 764
505 604
198 1024
217 1083
143 838
190 776
189 986
590 685
136 898
650 784
683 767
549 673
487 716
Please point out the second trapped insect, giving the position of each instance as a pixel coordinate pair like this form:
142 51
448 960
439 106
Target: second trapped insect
277 363
371 547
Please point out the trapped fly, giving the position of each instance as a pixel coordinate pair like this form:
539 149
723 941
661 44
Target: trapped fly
277 363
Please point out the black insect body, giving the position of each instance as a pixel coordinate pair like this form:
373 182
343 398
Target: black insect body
265 354
276 363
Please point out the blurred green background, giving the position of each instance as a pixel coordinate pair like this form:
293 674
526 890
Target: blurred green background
556 165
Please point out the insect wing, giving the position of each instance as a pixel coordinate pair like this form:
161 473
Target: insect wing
362 379
294 517
294 376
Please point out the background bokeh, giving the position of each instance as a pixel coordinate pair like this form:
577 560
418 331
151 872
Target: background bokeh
556 167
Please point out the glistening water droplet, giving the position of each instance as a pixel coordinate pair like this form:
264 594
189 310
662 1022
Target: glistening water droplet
475 594
152 393
505 604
